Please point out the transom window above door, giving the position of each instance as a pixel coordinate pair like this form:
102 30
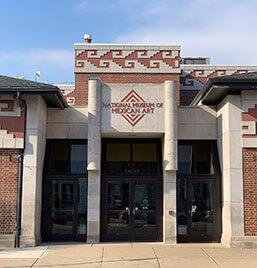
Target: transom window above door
131 157
66 157
196 158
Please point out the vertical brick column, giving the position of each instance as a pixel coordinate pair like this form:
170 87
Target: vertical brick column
8 195
250 190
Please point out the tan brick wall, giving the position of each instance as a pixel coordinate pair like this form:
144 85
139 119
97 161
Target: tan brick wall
8 190
250 190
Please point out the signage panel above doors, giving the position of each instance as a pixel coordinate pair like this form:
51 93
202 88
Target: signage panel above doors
132 107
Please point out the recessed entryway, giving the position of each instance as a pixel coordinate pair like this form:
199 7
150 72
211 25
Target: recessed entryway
64 210
131 191
198 193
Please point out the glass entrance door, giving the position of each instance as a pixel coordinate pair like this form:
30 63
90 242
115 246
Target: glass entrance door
201 210
118 210
63 209
66 215
196 210
145 211
131 202
132 211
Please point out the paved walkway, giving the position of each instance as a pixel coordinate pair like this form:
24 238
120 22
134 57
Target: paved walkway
128 255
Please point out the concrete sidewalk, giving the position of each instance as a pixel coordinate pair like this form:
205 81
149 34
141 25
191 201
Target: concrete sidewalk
128 255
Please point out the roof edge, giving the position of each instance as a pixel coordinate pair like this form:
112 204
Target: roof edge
227 85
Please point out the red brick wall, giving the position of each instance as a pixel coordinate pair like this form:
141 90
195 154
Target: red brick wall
186 96
8 190
81 84
250 190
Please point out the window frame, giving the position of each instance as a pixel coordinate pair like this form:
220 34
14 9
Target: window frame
214 152
49 156
132 141
216 178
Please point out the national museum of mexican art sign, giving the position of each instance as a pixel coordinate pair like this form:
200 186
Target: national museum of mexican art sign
132 107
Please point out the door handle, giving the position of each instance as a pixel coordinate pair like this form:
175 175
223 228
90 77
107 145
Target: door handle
190 212
134 210
74 211
128 210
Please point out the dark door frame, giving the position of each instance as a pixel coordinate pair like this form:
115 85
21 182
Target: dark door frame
131 177
132 180
159 208
48 176
104 203
217 189
156 141
217 211
192 237
47 209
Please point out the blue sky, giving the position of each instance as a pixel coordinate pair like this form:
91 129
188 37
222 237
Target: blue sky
39 35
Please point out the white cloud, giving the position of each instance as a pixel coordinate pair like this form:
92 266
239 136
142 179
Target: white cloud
81 6
223 30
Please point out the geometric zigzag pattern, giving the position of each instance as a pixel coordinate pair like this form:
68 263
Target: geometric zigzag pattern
133 97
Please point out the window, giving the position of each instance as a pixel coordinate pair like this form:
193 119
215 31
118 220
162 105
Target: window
78 158
117 152
131 157
66 157
195 158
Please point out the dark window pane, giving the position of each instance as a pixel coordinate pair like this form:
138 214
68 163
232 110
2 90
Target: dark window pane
182 209
145 225
82 206
145 158
78 161
203 159
185 164
131 158
62 207
117 158
195 159
60 158
67 158
118 210
202 208
118 152
145 152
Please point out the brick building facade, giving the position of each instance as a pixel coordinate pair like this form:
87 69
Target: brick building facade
146 146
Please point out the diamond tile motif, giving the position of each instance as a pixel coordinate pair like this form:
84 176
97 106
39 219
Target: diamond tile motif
133 98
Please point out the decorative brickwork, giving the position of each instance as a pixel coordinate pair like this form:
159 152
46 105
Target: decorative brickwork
249 124
68 92
129 62
127 59
12 122
250 190
8 190
194 77
124 64
11 118
81 82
